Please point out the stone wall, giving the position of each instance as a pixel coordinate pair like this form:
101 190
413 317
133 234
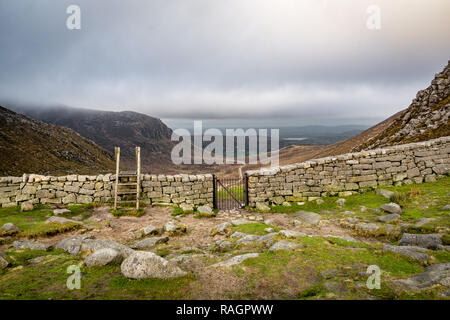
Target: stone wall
353 172
163 189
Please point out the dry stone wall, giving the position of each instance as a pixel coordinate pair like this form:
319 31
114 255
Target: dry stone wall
349 173
74 189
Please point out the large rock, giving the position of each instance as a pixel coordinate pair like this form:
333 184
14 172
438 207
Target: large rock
144 264
149 242
10 227
103 257
433 275
391 208
223 227
424 221
235 260
62 220
414 252
367 226
388 217
238 222
248 239
26 206
429 241
284 245
308 217
385 193
32 245
261 206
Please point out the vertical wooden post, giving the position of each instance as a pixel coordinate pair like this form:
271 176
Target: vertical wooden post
138 173
117 153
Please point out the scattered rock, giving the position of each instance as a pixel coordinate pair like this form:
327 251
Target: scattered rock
235 260
389 217
433 275
173 228
348 213
286 204
308 217
385 193
205 210
26 206
319 201
144 264
446 207
284 245
149 242
414 252
430 241
344 237
340 202
301 203
391 208
261 206
238 234
269 230
32 245
362 208
223 227
62 220
223 245
291 233
58 212
103 257
38 259
10 227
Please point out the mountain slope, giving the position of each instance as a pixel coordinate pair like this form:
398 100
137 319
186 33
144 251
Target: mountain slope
29 146
427 117
109 129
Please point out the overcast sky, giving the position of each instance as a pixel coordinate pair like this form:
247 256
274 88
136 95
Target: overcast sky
277 62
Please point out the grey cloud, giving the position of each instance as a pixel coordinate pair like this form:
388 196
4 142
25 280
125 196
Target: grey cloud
251 59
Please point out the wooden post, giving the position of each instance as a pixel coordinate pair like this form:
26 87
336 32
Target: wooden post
117 152
138 173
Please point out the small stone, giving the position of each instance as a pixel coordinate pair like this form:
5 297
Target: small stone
388 217
291 233
3 262
424 221
236 260
269 230
446 207
284 245
248 239
26 206
261 206
58 212
362 208
348 212
223 227
301 203
173 228
319 201
392 208
149 242
340 202
150 230
10 227
286 204
205 210
238 222
186 207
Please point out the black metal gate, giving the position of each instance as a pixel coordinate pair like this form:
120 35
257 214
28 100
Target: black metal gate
230 193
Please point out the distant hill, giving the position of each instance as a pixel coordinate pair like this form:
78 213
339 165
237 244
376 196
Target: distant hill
30 146
109 129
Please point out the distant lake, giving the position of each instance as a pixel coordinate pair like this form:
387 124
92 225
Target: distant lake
295 139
